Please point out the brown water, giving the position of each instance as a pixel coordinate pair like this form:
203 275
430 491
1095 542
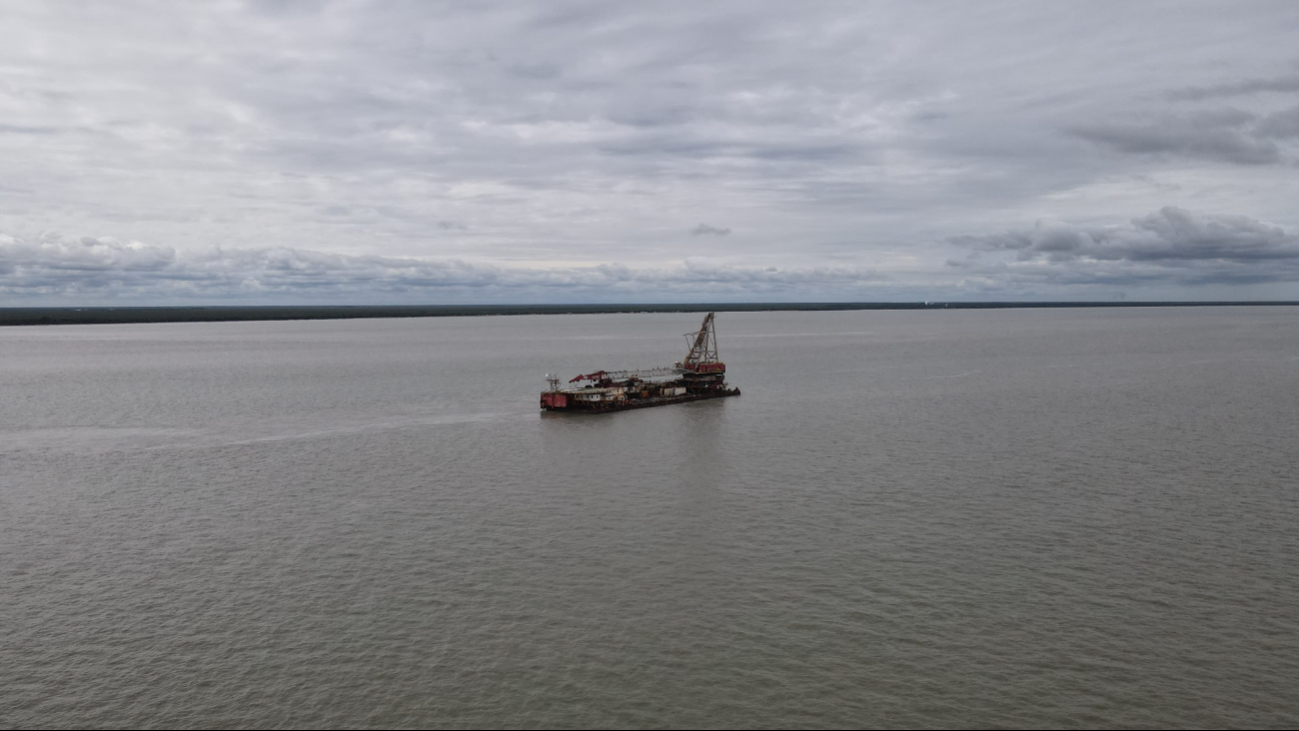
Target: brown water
977 518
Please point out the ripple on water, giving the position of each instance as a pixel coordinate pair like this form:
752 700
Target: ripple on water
1037 518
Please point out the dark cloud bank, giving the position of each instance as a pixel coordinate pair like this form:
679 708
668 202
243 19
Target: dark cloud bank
1225 135
1171 246
106 270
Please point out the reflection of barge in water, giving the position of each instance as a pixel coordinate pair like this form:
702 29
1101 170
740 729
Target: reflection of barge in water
700 376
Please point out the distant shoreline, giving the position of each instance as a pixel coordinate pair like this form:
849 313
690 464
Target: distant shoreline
227 313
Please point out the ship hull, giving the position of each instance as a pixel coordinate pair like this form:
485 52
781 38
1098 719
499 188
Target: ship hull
701 375
577 407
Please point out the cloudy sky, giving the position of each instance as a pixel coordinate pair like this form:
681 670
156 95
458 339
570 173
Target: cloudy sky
428 152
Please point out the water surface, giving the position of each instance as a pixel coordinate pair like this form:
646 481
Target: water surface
972 518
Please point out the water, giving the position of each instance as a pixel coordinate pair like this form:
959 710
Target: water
962 519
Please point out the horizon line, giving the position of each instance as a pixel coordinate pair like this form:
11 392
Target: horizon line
140 314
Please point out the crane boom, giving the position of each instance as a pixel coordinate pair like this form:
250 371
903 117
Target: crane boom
703 345
641 374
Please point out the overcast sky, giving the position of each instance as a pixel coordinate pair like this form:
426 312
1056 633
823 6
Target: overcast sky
577 152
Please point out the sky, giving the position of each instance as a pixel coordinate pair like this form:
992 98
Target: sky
481 152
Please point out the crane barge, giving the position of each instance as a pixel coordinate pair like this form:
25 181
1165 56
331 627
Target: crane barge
701 375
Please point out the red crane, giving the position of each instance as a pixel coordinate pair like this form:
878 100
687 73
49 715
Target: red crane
702 358
703 350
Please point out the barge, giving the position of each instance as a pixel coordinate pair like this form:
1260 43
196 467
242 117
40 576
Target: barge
700 375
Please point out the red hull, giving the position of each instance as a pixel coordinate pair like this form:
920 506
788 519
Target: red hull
578 407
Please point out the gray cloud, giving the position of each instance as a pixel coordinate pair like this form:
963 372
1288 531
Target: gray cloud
105 270
1279 84
1222 135
533 139
704 229
1171 246
1280 125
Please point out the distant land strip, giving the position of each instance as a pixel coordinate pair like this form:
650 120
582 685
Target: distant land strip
224 313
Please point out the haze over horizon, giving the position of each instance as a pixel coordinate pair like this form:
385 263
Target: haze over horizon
439 153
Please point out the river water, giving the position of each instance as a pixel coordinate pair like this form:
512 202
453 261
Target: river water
1064 518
